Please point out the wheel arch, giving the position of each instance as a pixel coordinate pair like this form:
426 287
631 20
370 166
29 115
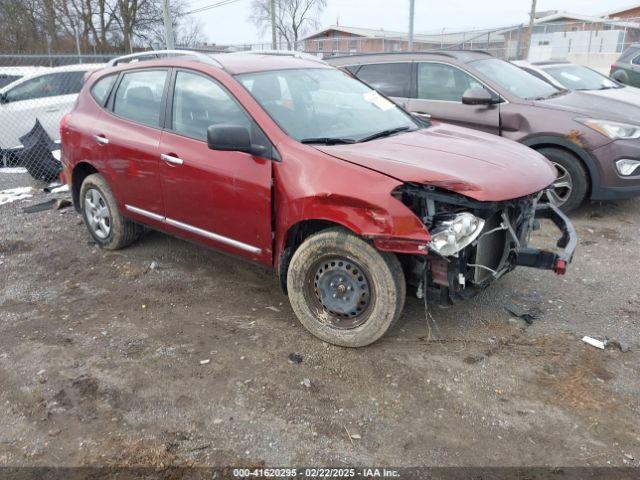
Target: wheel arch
81 171
580 153
295 236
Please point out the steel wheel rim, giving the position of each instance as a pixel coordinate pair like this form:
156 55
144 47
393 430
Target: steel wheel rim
340 288
562 187
97 213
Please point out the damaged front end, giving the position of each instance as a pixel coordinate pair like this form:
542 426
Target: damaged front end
474 243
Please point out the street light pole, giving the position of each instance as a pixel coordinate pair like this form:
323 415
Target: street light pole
168 26
274 45
412 4
532 16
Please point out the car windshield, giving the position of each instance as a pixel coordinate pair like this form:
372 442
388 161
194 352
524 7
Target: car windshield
325 106
577 77
515 80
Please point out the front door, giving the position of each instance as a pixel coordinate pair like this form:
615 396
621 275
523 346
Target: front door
221 198
439 94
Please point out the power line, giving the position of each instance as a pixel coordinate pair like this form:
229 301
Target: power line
211 6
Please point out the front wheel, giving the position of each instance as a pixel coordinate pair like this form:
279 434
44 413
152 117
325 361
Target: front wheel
570 188
343 290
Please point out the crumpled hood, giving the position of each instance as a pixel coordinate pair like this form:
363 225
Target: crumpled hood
586 104
476 164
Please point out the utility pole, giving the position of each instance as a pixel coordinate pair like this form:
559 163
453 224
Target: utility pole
412 5
168 26
532 16
274 45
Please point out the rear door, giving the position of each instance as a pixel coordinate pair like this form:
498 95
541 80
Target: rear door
129 135
220 198
392 79
439 90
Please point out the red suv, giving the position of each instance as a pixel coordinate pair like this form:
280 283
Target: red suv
298 166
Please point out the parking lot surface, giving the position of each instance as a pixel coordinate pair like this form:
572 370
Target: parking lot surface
170 354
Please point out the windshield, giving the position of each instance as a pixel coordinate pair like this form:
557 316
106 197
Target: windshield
577 77
325 105
515 80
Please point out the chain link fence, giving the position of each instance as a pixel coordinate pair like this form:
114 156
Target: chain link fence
36 91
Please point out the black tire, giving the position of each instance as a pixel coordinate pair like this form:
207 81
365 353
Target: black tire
121 231
361 262
570 165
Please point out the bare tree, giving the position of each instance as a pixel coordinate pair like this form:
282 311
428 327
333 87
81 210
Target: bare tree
294 18
96 26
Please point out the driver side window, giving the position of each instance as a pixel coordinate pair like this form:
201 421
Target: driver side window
438 81
199 102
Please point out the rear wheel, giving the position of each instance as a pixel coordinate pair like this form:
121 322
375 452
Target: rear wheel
343 290
570 188
100 212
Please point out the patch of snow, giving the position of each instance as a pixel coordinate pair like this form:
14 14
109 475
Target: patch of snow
14 194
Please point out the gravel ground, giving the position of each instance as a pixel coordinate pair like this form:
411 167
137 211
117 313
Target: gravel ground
170 354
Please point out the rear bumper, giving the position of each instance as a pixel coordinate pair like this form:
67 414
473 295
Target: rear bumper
545 259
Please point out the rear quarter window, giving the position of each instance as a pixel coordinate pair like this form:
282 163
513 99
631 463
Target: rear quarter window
101 89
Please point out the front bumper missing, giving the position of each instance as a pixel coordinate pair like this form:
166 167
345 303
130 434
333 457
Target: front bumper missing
544 259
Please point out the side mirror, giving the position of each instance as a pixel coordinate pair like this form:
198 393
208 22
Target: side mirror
232 138
3 98
477 96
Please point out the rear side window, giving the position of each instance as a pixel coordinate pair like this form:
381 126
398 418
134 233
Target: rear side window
199 102
139 96
392 79
51 85
102 87
438 81
628 54
7 79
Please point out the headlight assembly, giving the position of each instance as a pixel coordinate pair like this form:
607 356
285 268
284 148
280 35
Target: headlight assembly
613 130
453 234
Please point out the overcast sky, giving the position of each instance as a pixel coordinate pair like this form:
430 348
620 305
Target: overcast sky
229 24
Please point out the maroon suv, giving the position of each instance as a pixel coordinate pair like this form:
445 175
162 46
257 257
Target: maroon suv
299 167
592 141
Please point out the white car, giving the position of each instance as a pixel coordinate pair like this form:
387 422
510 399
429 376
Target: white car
46 95
570 76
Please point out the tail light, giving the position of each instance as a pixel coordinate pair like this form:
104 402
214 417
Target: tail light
63 123
613 67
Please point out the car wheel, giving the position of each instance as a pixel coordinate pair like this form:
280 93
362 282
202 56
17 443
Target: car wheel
569 190
343 290
100 212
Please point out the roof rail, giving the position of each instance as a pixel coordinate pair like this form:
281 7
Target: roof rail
445 53
154 54
283 53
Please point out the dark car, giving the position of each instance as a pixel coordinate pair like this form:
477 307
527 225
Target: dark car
593 145
299 167
627 68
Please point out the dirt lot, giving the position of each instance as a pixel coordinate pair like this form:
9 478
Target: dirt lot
100 360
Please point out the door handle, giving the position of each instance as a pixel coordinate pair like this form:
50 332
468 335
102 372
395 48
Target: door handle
171 159
101 139
422 115
52 109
